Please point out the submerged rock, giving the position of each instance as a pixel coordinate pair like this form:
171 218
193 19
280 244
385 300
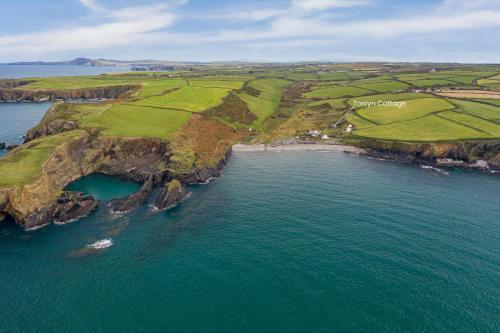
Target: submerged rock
169 196
67 208
131 202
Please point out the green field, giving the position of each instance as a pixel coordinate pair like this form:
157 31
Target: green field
23 165
284 101
126 120
302 76
481 110
430 83
415 108
189 98
337 92
338 103
388 97
159 87
266 103
474 122
215 83
335 76
495 102
386 86
79 82
430 128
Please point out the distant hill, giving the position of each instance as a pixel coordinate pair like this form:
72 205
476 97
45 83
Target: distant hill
74 62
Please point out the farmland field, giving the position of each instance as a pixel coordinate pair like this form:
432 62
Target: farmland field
337 92
126 120
265 103
189 98
415 108
430 128
284 102
481 110
386 86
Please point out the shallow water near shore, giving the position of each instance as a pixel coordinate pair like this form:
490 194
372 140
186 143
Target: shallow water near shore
302 241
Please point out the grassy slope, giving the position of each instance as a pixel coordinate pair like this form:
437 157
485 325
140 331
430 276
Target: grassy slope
337 92
430 128
480 124
190 98
337 103
23 165
481 110
137 121
159 87
153 112
264 105
387 86
78 82
415 108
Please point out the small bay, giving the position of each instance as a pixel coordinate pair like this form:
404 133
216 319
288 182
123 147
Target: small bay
302 241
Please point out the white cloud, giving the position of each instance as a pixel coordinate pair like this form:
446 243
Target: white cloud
146 29
92 5
313 5
120 28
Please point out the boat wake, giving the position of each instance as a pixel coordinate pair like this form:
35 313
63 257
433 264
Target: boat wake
101 244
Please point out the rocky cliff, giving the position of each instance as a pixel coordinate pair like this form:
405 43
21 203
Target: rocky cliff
14 94
476 154
142 160
43 201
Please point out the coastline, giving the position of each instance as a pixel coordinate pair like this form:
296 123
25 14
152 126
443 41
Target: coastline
297 147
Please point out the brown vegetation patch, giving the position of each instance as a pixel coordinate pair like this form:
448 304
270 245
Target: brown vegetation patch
251 91
470 94
294 92
232 110
209 139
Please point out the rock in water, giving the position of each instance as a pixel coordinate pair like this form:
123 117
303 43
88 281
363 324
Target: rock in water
173 193
12 147
2 145
69 207
131 202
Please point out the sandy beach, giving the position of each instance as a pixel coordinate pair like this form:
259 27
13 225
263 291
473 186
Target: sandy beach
297 147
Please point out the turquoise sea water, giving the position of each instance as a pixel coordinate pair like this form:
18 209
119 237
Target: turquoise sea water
17 118
283 242
103 187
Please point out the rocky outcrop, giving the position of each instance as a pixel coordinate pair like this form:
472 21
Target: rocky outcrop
203 175
138 159
25 95
131 202
2 145
67 208
11 147
170 195
478 155
54 127
11 84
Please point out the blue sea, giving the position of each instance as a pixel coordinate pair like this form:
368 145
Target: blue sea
27 71
282 242
17 118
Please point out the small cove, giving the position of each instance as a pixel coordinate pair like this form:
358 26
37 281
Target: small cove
103 187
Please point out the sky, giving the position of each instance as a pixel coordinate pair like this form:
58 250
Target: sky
257 30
